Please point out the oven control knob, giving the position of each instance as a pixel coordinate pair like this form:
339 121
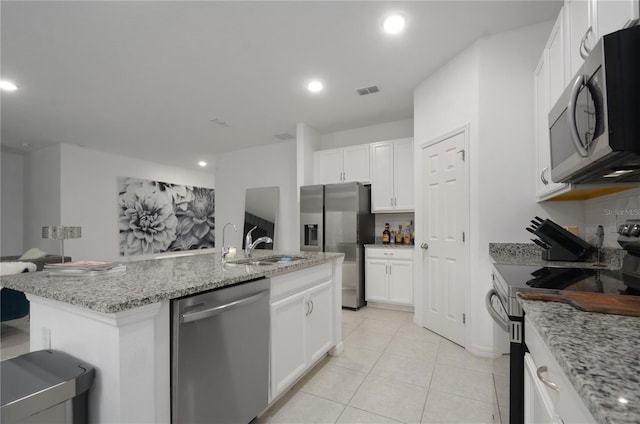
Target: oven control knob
624 229
621 229
635 230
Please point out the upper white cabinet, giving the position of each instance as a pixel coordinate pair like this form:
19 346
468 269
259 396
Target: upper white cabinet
555 50
590 20
392 176
342 165
580 24
544 185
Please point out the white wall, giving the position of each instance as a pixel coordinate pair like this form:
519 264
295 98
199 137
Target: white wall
42 197
308 140
89 196
11 204
610 212
268 166
489 86
371 134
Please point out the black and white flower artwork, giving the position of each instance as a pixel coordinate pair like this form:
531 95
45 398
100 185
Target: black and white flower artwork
156 217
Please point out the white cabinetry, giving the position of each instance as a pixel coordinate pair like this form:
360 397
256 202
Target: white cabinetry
590 20
544 185
549 395
389 275
342 165
555 49
392 176
301 324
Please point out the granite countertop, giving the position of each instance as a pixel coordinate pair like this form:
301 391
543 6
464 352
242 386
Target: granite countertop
599 353
390 246
155 280
530 254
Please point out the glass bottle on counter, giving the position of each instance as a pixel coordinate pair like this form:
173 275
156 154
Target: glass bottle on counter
399 235
386 235
407 233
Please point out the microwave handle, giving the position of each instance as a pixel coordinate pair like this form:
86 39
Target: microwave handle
577 83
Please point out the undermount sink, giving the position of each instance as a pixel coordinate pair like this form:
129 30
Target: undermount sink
270 260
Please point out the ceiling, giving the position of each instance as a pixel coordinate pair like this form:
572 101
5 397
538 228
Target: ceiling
177 82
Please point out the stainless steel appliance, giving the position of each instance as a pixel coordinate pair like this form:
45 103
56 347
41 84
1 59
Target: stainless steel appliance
220 354
337 218
502 304
594 127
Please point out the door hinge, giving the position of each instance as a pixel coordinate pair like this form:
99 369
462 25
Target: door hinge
464 318
463 237
462 152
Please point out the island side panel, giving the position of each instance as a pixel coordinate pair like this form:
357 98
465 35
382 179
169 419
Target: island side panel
337 303
122 347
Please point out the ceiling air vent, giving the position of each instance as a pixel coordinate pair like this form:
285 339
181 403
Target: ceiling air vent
367 90
284 136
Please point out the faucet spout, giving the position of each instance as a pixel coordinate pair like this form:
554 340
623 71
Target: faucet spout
250 245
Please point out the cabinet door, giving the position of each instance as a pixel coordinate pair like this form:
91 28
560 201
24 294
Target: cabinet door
288 341
356 164
612 15
403 175
538 407
376 280
401 282
328 166
544 185
556 58
579 21
320 320
382 177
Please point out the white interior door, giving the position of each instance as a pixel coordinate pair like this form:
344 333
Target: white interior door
444 215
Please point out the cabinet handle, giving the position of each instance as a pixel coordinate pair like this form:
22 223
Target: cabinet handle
306 314
390 267
546 382
544 180
311 311
386 269
584 50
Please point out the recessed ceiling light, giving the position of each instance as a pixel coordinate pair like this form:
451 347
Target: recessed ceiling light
7 85
315 86
202 163
394 24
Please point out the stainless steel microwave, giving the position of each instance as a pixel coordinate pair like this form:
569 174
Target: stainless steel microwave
594 127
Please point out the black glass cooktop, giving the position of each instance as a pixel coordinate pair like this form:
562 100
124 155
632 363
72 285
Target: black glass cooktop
589 279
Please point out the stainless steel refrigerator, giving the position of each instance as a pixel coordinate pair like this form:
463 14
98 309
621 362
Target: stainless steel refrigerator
337 218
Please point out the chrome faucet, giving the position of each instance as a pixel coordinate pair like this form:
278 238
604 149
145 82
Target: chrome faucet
249 244
225 249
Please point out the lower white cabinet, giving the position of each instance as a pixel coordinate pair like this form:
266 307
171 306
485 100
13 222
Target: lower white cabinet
301 324
389 275
549 396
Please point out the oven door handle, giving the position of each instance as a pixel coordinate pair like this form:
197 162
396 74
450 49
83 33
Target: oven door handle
504 324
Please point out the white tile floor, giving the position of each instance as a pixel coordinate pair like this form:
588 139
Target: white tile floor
391 371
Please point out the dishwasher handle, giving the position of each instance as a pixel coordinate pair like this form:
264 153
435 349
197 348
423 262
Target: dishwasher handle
502 323
210 312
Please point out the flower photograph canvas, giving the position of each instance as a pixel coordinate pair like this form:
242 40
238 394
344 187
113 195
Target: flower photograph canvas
156 217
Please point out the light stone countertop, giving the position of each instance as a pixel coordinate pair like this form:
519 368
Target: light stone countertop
599 353
155 280
530 254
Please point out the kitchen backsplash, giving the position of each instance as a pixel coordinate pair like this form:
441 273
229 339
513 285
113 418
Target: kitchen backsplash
394 219
610 211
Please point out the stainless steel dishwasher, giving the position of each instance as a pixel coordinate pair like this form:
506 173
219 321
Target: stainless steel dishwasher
220 355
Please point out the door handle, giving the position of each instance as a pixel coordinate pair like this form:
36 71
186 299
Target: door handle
209 312
424 246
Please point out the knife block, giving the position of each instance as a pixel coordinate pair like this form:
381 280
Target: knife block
558 253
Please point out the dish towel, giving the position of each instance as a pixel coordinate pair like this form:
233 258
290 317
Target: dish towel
7 268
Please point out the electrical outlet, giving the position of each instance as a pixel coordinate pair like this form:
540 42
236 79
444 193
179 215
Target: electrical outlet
46 338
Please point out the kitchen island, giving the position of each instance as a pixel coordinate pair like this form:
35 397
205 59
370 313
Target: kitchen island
120 322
